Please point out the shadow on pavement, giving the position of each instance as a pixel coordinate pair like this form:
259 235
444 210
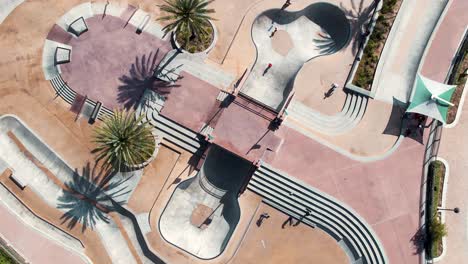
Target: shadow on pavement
87 197
141 77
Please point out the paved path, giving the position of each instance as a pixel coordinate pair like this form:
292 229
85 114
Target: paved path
385 193
32 245
399 63
446 41
454 140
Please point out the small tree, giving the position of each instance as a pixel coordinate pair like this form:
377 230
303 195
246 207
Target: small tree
437 231
123 140
187 16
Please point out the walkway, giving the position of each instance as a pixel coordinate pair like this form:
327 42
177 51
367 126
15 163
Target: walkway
32 244
385 193
399 61
454 140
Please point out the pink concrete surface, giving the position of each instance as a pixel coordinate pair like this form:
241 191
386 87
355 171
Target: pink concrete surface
32 245
191 102
59 35
244 132
385 193
111 63
446 41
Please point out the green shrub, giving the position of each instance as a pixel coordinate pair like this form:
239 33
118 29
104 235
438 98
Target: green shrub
5 258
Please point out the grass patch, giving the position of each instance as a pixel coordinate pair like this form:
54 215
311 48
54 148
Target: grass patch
5 258
197 44
365 72
458 77
436 230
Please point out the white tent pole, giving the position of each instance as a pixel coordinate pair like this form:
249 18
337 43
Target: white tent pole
434 97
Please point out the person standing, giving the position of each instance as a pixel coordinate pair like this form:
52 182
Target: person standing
273 32
267 68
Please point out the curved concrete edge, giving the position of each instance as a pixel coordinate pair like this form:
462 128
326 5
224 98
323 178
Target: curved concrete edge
352 156
444 199
460 108
339 202
7 7
462 100
203 53
16 118
146 248
45 234
385 50
174 245
423 190
349 83
428 45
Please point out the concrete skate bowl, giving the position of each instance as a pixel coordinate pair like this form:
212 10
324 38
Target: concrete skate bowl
205 233
317 30
329 17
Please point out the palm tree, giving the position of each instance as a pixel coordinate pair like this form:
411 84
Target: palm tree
123 140
188 16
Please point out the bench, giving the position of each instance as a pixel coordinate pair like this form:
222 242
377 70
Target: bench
8 173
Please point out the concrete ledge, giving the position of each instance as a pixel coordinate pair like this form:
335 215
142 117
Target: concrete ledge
349 85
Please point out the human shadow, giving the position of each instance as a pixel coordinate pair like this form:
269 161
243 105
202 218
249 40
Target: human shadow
141 76
88 197
359 16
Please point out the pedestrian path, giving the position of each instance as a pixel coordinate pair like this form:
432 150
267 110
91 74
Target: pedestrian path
404 49
295 198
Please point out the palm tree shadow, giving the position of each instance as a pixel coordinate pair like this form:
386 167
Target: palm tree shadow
141 76
358 17
325 44
89 197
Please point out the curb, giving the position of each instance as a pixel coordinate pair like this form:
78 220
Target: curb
444 199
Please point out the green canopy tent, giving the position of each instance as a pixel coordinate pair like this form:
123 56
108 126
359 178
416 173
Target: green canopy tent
431 98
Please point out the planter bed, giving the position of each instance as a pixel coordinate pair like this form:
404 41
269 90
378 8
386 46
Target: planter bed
436 176
458 77
366 69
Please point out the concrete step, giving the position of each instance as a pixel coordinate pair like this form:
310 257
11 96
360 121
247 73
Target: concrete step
168 122
333 215
173 132
63 90
318 217
347 119
313 196
277 187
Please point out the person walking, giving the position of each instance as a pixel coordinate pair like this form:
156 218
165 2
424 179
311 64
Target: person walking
286 4
288 221
261 218
273 32
267 68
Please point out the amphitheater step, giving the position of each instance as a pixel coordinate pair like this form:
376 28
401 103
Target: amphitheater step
303 118
175 133
293 197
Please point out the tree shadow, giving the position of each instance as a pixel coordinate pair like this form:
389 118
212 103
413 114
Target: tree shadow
142 76
325 44
359 16
419 241
89 197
